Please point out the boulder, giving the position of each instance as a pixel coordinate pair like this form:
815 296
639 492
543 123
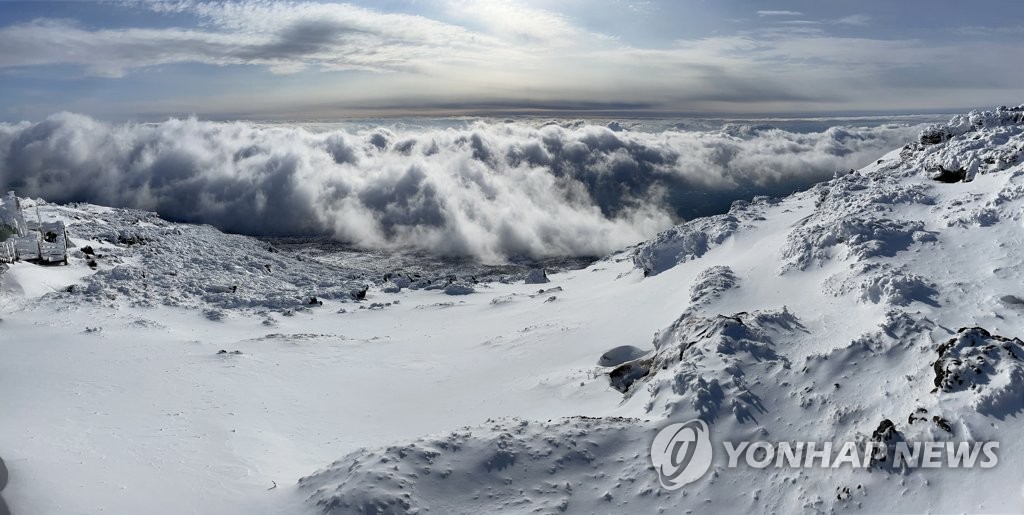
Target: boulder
459 288
536 276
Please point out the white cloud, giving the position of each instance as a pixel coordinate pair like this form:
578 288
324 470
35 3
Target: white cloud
779 13
853 19
490 190
976 31
284 37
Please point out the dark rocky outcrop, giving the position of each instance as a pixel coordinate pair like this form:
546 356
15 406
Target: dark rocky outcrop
623 376
536 276
360 294
949 176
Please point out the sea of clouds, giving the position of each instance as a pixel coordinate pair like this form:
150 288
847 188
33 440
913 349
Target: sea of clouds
488 189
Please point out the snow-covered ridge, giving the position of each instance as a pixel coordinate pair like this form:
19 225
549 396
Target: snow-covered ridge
972 122
979 142
127 257
854 311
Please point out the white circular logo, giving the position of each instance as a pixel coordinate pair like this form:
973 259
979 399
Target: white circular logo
681 453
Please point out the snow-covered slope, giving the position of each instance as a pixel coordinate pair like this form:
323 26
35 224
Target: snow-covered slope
883 304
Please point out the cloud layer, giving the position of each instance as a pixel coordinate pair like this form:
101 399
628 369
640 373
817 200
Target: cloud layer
486 189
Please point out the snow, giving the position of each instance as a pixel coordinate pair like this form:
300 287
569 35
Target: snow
826 315
24 281
586 465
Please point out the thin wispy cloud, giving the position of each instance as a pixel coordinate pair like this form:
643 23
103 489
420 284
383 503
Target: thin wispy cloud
779 13
978 31
853 19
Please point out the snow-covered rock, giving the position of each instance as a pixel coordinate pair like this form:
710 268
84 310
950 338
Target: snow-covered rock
683 243
712 283
987 368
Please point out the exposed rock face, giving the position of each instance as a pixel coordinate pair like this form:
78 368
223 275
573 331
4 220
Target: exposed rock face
536 276
949 176
360 293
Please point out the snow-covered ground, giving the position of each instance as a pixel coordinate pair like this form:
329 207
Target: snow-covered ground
814 317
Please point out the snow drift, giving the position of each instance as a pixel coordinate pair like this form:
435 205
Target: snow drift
485 189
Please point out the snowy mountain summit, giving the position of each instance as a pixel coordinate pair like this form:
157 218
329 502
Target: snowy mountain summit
887 301
884 306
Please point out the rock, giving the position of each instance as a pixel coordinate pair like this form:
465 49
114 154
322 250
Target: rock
4 510
918 414
943 424
1012 301
215 314
419 284
935 135
623 376
390 287
711 283
536 276
359 294
887 434
683 243
401 281
458 288
949 176
988 367
548 291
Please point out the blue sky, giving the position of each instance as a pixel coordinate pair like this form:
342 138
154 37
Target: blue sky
320 60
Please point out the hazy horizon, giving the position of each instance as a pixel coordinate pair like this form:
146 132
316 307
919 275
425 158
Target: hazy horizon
313 60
